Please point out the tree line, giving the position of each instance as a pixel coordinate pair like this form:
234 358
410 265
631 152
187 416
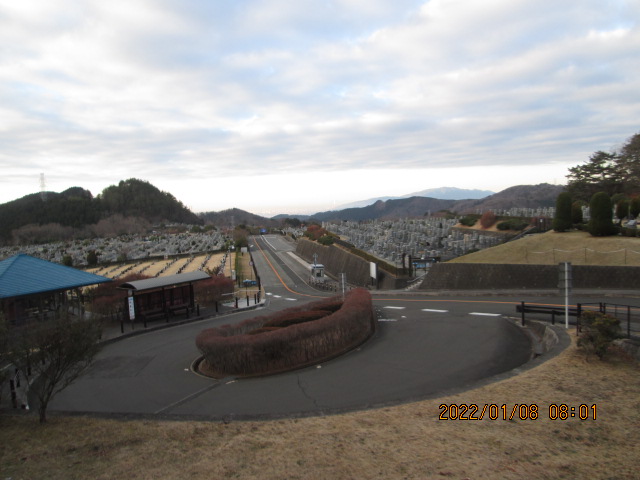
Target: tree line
609 183
75 212
615 173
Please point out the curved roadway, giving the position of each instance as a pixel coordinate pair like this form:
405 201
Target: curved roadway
424 347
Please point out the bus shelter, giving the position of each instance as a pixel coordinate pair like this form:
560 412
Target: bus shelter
162 297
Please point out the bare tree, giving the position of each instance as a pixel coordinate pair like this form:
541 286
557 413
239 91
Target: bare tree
4 350
56 352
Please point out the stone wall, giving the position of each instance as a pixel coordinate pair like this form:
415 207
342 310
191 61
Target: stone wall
476 276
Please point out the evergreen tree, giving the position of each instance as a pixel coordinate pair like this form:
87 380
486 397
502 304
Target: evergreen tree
635 207
600 174
576 213
622 208
601 223
562 220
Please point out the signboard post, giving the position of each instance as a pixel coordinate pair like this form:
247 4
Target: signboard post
373 273
132 309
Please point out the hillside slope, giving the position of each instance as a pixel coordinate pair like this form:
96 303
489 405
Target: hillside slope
551 248
521 196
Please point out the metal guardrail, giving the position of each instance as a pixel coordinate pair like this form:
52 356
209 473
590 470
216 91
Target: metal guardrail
628 315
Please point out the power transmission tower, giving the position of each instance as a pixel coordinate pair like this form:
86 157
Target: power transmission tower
43 188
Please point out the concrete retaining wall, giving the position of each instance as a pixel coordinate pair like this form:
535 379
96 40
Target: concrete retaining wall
479 276
337 261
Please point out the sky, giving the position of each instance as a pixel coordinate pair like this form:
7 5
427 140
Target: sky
277 106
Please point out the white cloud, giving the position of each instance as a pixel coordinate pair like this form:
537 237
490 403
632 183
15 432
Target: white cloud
196 92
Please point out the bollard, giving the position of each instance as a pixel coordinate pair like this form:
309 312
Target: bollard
217 306
522 305
247 300
198 309
121 325
236 302
553 317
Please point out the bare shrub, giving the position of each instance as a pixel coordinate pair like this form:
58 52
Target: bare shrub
209 291
488 219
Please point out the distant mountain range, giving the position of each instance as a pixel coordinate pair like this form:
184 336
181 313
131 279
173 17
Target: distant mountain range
442 193
522 196
77 209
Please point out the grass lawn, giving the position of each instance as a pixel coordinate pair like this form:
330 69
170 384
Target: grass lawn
551 248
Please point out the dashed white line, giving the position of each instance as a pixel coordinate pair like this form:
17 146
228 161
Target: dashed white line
485 314
434 311
387 320
395 308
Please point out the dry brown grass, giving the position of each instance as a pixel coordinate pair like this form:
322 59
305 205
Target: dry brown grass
403 442
245 271
551 248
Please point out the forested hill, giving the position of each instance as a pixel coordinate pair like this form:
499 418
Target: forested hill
236 217
77 208
137 198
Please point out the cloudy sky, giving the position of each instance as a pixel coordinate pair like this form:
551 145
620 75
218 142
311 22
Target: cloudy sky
298 106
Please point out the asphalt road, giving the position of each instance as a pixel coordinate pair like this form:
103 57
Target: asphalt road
424 347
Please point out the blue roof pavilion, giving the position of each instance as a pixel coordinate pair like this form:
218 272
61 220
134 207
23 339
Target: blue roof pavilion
23 275
32 287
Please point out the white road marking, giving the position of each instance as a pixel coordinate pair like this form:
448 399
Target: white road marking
395 308
434 311
291 299
387 320
485 314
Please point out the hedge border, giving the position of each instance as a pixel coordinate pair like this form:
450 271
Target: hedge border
355 318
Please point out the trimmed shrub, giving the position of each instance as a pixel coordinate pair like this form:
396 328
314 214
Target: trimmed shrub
562 220
469 220
635 207
229 350
512 224
622 208
258 331
576 213
601 223
297 317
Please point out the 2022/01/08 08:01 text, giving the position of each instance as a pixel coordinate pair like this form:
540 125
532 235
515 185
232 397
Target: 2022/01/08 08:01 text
494 411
